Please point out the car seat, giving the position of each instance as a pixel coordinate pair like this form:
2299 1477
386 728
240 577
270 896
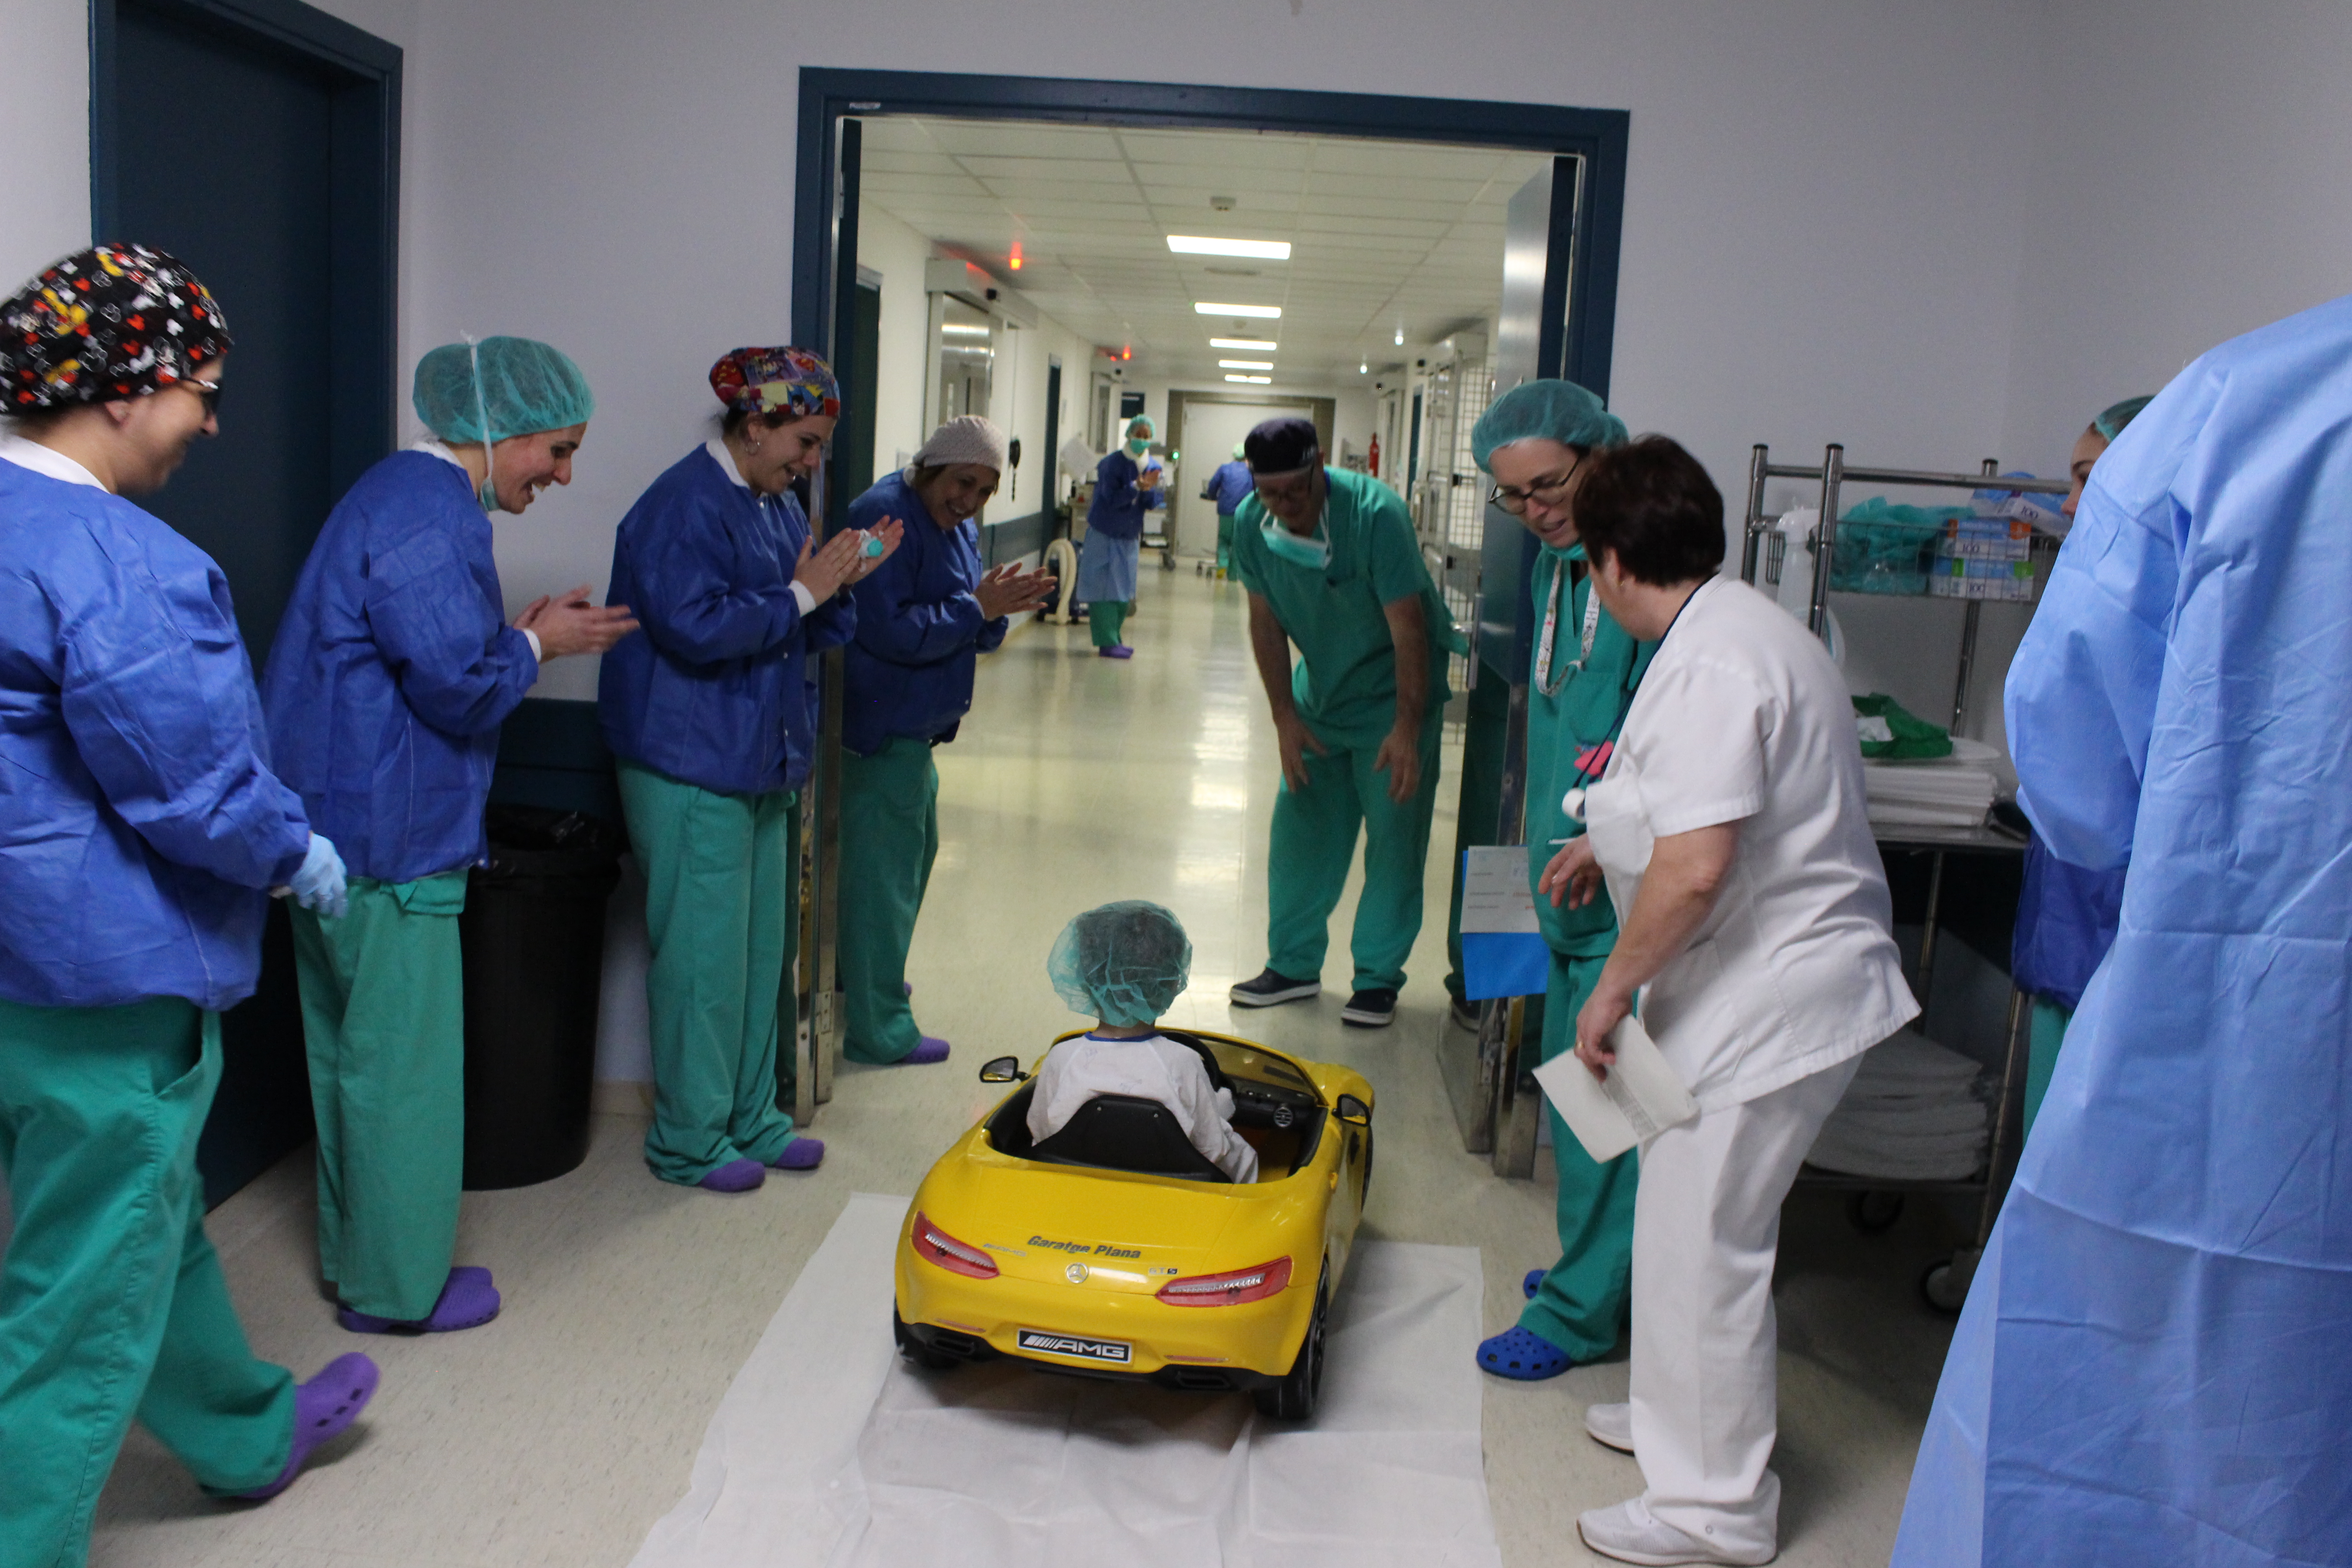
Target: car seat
1126 1132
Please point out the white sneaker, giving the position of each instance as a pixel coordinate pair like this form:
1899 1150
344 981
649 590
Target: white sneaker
1630 1535
1611 1425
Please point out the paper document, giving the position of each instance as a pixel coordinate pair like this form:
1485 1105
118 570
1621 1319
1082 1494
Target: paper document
1641 1099
1494 892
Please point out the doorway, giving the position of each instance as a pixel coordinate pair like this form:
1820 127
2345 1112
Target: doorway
927 130
276 184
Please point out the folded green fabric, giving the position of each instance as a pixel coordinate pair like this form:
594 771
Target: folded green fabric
1890 732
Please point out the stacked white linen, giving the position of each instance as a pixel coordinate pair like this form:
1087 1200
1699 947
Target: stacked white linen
1911 1114
1943 792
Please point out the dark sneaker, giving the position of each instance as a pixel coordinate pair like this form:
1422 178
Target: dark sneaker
1270 989
1372 1010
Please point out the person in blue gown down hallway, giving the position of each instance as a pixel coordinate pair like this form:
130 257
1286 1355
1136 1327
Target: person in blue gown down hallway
2067 914
140 824
1127 481
1331 565
2150 1367
924 617
391 674
1228 487
710 712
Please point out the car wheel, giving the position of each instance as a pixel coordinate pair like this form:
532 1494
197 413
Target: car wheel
914 1350
1293 1398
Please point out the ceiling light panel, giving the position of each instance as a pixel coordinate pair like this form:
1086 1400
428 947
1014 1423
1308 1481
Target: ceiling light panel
1204 245
1243 344
1252 380
1245 364
1249 312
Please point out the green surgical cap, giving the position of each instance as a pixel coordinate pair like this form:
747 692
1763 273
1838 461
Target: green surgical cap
1125 962
1237 451
526 386
2111 421
1545 411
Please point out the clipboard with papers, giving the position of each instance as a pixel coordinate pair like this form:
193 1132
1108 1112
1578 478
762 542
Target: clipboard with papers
1642 1097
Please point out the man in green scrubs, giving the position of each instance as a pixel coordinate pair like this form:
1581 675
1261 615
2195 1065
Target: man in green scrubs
1533 440
1332 567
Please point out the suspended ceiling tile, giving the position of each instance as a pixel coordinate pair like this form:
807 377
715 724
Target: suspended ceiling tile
1087 169
1238 149
984 138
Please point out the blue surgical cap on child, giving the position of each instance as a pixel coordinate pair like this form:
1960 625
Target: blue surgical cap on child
1546 410
1123 963
526 386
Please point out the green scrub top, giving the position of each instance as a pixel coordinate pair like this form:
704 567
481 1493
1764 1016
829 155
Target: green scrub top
1345 683
1561 726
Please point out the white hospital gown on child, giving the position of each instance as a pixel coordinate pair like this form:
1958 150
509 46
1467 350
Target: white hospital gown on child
1152 1068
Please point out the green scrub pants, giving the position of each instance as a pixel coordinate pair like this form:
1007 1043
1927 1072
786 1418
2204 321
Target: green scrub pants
889 837
111 1303
1313 842
1104 621
1581 1305
722 920
383 1016
2048 1034
1224 542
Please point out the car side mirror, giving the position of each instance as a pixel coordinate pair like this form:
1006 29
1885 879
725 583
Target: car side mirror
1003 1069
1353 1112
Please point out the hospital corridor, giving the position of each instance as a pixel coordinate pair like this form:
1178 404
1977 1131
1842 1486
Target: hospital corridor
562 1432
805 785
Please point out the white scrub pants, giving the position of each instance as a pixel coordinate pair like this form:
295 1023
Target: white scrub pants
1706 1227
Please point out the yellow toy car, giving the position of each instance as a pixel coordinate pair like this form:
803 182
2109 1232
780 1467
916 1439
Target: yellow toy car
1115 1249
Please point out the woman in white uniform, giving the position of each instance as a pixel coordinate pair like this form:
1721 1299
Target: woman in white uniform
1756 937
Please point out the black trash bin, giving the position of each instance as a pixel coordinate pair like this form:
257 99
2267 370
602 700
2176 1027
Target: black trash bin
533 936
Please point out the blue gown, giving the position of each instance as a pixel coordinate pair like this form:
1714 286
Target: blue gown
1114 525
392 670
920 632
2155 1365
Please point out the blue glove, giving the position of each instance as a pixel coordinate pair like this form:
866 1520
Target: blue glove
318 885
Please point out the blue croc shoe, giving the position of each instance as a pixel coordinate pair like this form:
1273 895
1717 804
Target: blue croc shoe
1533 1282
1516 1353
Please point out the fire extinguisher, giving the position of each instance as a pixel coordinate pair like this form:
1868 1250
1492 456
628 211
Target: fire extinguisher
1375 457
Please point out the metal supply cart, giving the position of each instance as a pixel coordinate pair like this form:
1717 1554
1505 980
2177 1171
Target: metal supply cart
1876 1201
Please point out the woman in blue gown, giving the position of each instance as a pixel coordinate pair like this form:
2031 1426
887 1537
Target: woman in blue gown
2151 1365
1125 486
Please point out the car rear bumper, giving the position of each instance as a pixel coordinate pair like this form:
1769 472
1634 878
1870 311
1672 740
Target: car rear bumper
1184 1376
1241 1346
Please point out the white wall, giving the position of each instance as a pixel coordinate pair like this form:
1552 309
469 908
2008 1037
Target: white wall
2189 182
45 126
898 253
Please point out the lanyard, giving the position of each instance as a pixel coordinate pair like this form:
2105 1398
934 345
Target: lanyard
1593 761
1545 682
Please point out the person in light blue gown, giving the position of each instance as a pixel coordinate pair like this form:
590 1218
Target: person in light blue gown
2152 1366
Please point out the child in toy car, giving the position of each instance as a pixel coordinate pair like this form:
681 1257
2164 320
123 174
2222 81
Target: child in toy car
1124 965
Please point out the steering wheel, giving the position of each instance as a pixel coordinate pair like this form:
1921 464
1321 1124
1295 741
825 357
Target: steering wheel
1199 1047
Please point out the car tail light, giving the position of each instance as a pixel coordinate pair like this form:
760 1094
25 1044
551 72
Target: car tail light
1229 1290
933 1245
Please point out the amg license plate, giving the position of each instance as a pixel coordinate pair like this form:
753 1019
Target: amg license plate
1077 1347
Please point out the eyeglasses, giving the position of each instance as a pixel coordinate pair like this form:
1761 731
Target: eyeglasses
1289 488
1550 493
208 391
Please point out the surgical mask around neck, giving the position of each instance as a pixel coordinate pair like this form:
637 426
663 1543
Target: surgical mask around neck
1313 551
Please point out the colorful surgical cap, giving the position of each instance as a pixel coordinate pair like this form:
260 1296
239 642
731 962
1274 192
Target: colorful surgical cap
519 387
1123 963
103 324
1545 410
761 381
2115 416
